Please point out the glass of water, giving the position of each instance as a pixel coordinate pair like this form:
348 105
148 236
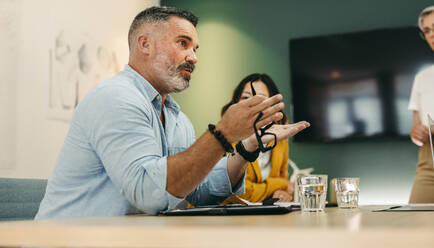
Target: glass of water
312 192
347 192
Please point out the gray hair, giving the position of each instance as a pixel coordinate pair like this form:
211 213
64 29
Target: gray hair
158 14
427 11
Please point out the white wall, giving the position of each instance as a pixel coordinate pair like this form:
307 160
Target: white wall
9 36
29 139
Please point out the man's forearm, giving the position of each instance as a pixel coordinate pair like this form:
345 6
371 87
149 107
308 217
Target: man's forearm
186 170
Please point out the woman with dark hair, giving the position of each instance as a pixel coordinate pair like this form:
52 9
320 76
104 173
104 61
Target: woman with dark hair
267 177
255 77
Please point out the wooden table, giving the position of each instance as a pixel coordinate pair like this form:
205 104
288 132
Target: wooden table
332 228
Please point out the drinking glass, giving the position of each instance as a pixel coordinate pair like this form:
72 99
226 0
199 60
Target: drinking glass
312 192
347 192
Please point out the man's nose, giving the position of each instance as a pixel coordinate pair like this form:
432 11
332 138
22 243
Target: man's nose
191 57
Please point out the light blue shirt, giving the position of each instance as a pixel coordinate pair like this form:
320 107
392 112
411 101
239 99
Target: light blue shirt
115 155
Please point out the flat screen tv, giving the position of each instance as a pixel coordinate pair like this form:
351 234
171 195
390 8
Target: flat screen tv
356 85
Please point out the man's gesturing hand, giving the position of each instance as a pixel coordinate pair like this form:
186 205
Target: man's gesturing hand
237 122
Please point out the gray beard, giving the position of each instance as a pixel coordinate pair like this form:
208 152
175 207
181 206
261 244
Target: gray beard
174 81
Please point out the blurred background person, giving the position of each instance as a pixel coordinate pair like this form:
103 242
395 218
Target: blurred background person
267 177
422 103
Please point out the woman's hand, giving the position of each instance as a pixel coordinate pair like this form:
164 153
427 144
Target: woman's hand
281 131
283 195
419 134
286 131
290 188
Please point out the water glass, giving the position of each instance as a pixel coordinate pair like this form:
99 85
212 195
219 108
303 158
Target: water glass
312 192
347 192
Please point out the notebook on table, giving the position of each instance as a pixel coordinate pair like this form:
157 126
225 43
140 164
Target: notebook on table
420 207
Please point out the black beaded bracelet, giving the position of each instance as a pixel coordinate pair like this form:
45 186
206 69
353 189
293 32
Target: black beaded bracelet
248 156
223 141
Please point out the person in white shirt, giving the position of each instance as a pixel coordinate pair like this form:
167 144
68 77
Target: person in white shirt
422 103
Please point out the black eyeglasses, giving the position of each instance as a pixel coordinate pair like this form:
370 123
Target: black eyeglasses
262 147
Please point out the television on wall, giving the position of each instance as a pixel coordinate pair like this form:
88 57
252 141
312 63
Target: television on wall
356 85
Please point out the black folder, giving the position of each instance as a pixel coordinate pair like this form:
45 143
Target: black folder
232 209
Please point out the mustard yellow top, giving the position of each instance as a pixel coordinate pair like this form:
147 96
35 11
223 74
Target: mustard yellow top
257 191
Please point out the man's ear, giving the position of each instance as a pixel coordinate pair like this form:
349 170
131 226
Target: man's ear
143 44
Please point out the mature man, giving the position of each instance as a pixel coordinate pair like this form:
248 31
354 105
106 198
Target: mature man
130 146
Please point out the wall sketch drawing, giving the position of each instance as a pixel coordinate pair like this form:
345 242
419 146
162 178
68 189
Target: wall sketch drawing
87 43
77 64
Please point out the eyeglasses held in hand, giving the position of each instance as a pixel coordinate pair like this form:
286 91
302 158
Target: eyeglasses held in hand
261 146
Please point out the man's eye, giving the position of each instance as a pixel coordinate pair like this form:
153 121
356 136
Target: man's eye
183 43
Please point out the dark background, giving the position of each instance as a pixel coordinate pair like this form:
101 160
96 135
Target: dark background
365 77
